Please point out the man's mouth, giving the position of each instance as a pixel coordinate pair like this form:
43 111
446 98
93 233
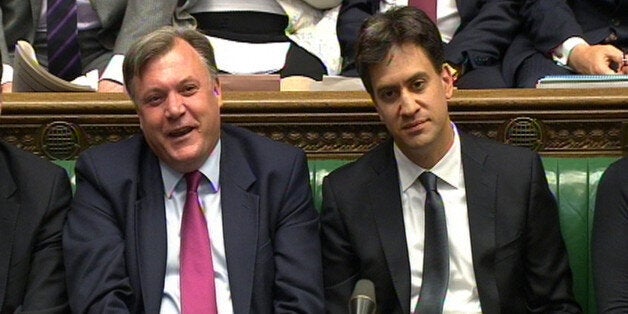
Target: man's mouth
179 132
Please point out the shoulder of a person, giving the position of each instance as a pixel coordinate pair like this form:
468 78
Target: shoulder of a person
115 150
616 172
254 141
366 165
16 157
493 147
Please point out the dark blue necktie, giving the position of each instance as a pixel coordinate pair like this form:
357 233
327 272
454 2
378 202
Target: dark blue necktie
436 251
64 59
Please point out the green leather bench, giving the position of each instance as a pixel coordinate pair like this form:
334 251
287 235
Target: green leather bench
572 180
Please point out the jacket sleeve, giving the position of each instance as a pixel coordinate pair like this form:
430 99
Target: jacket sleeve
486 29
541 16
548 275
610 236
46 290
94 248
350 18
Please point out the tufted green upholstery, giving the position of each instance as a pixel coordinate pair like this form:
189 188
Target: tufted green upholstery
572 180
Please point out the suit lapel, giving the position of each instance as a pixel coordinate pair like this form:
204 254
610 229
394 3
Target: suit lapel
151 234
388 216
240 219
480 188
9 208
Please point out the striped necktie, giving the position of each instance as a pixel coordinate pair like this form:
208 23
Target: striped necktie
427 6
64 59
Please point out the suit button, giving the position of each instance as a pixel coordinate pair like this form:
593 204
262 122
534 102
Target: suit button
481 60
616 22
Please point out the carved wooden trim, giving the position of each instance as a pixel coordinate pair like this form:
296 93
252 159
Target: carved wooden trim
333 124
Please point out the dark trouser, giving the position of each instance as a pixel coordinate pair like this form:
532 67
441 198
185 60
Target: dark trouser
535 67
484 77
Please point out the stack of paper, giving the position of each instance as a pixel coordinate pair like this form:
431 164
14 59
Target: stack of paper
583 81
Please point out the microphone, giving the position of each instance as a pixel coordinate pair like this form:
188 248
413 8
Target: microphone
363 298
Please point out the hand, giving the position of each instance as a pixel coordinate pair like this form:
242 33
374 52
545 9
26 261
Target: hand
623 66
596 59
107 86
7 87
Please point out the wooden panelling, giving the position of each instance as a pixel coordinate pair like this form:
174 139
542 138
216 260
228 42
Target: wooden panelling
333 124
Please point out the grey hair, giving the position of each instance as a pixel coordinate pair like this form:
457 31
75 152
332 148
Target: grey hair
157 44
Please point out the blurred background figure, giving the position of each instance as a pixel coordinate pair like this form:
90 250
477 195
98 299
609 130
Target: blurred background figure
288 37
475 34
561 37
103 32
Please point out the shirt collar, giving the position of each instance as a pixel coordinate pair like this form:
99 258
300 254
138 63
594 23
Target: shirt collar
210 169
448 169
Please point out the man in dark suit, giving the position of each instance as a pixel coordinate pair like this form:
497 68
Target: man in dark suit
125 230
560 37
34 200
111 27
481 33
502 233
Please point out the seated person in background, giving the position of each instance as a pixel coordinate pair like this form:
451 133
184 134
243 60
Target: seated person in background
289 37
136 243
440 221
475 33
561 37
610 240
34 200
105 28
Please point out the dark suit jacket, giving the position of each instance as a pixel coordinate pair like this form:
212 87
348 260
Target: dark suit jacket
547 24
486 29
123 22
115 237
609 245
34 200
519 258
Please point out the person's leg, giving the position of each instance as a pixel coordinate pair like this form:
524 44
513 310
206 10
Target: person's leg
301 62
485 77
535 67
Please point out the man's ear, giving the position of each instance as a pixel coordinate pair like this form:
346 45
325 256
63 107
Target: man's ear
217 88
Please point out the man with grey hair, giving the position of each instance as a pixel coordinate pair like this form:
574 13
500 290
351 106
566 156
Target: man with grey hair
243 238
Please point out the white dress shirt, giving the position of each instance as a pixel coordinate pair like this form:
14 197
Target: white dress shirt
447 16
209 194
462 293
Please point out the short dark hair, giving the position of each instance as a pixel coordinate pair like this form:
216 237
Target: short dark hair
399 25
157 44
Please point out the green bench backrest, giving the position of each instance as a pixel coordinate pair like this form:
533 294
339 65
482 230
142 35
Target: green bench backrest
572 180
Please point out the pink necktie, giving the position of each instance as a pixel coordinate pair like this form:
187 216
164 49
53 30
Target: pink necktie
427 6
198 292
